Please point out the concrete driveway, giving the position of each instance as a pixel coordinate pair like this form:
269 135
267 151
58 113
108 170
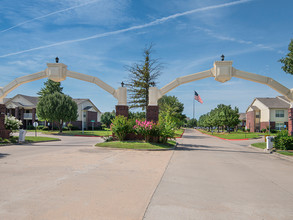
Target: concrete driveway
209 178
71 179
205 178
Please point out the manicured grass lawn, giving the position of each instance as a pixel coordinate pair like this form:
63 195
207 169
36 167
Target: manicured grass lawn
40 139
287 153
261 145
103 133
234 135
179 132
28 139
136 145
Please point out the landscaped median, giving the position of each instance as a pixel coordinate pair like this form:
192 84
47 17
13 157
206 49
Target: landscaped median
138 145
239 135
95 133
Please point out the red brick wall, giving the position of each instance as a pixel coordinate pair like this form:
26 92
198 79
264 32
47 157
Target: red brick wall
3 132
250 121
152 113
122 110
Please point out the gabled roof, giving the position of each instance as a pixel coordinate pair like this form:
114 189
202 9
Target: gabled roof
34 100
274 102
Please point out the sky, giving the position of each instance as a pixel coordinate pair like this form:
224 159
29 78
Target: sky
102 37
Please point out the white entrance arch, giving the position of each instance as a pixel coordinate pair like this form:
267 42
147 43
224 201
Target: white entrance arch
222 72
58 72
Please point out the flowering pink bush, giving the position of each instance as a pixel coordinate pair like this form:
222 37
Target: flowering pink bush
145 128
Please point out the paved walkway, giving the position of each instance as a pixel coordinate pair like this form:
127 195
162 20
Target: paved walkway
71 179
209 178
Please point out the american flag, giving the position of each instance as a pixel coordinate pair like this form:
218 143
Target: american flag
197 97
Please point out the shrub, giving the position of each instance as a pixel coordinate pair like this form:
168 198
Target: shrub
167 130
69 126
283 141
45 128
30 127
273 131
65 129
40 127
11 123
121 127
263 130
248 129
74 128
145 128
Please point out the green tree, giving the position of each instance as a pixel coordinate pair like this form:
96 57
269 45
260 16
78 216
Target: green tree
136 115
142 76
288 60
57 108
50 88
191 123
171 109
107 118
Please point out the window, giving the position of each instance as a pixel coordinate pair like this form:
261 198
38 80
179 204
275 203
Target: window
279 126
279 113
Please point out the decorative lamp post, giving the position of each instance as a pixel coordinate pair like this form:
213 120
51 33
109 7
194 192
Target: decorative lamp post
222 57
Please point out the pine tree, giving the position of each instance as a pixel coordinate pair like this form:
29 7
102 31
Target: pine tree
50 88
142 76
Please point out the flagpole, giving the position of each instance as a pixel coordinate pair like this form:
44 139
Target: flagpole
193 106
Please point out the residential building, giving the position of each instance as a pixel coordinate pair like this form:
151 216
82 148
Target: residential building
268 113
24 108
242 119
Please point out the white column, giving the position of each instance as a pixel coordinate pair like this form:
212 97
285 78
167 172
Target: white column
122 95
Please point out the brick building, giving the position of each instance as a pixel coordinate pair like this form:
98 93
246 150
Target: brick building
267 113
24 108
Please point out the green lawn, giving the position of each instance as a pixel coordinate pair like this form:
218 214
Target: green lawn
103 133
235 135
137 145
261 145
179 132
287 153
40 139
28 139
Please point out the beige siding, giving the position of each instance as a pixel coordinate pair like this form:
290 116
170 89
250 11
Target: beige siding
279 120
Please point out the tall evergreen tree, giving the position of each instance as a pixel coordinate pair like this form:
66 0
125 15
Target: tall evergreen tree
50 87
142 76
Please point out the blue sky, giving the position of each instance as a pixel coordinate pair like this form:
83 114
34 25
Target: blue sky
101 37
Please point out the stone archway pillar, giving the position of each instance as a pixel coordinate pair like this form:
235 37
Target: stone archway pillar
122 107
152 113
290 119
4 133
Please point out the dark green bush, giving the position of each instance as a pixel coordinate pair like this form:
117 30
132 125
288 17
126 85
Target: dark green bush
263 130
45 128
74 128
65 129
248 129
283 141
40 127
273 131
30 127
